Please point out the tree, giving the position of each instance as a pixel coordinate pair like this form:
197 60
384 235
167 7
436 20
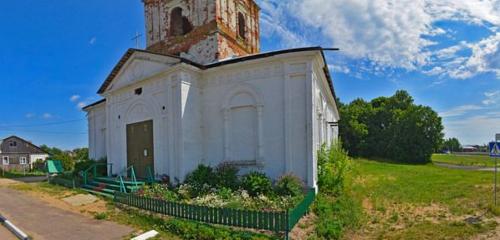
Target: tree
81 154
68 158
391 127
452 144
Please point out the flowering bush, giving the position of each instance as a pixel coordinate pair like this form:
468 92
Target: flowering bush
201 180
223 188
158 191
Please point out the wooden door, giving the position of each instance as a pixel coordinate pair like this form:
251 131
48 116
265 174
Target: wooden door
140 150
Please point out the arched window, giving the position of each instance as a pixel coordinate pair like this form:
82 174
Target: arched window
241 26
179 25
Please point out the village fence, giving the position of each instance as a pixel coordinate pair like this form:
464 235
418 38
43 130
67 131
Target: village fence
277 221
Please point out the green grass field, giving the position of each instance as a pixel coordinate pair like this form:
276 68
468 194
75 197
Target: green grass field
466 160
18 174
421 202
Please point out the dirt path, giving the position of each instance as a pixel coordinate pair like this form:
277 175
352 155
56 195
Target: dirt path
43 221
5 234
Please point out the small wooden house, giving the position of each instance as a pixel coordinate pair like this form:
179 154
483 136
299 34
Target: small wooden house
17 153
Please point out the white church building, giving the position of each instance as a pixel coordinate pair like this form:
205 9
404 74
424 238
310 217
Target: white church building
202 93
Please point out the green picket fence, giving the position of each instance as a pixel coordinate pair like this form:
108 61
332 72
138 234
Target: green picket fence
279 221
69 183
295 214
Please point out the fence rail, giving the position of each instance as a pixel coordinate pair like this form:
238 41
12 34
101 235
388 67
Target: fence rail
278 221
69 183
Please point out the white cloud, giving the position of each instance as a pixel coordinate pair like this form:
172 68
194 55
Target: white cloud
92 41
74 98
81 105
473 130
459 111
491 98
47 116
30 115
391 33
339 68
485 56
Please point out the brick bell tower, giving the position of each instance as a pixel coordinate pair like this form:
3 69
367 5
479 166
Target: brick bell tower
203 31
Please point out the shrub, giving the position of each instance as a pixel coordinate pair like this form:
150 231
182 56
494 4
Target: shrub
256 183
101 216
227 176
201 180
335 207
39 165
102 170
333 166
159 191
289 185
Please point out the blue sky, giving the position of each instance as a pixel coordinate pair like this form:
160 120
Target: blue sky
446 53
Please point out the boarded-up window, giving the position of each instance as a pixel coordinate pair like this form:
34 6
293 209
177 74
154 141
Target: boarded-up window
244 133
179 24
241 26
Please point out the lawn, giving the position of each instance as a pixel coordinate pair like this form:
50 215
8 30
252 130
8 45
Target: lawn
465 160
421 202
20 174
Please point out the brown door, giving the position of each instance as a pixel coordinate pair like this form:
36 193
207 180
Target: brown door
140 147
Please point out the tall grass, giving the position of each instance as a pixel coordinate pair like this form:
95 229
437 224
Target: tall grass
335 207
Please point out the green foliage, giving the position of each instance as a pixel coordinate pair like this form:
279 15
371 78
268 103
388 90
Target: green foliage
256 183
289 185
201 180
391 127
333 167
81 154
39 165
101 169
336 209
185 229
227 176
67 162
336 215
158 191
101 216
452 145
68 158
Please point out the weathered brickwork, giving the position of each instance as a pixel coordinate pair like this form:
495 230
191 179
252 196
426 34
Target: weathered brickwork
203 31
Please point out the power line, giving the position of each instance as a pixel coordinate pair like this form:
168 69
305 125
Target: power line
44 124
44 132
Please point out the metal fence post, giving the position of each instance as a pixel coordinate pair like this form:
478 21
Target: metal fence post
287 227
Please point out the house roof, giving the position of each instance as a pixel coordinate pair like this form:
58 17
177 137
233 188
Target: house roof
94 104
131 51
40 151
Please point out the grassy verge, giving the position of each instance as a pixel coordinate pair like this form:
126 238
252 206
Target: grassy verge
464 160
15 174
172 228
421 202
